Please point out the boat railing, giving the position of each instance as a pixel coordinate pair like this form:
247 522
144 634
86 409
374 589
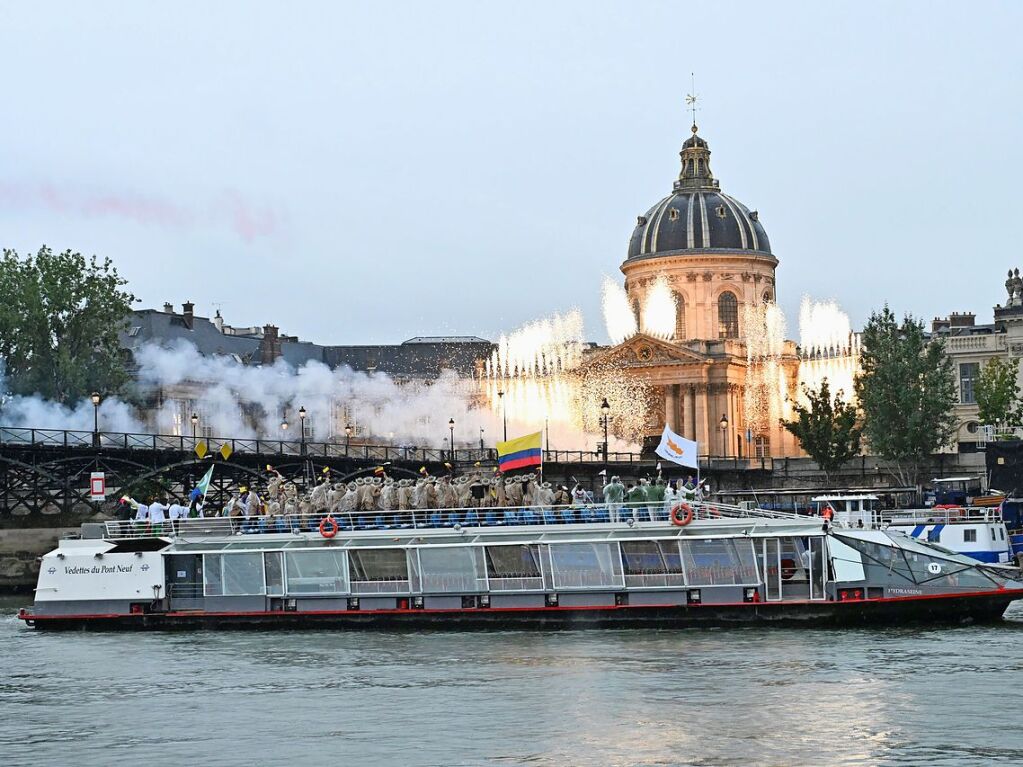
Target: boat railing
954 515
330 524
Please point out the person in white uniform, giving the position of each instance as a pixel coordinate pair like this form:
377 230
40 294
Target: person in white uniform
157 512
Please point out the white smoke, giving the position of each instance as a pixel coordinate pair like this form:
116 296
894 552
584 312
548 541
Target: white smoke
21 412
235 400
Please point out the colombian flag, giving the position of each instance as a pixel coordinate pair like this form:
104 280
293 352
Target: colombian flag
520 452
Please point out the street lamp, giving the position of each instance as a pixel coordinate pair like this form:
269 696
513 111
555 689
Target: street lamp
451 428
301 422
96 399
724 428
504 414
481 439
195 422
348 437
605 412
284 425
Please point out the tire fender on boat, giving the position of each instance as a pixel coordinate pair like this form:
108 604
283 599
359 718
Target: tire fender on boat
328 527
685 518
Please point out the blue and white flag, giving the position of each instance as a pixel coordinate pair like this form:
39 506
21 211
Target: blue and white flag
677 449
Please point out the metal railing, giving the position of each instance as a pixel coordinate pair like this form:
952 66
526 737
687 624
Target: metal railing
70 438
978 514
454 518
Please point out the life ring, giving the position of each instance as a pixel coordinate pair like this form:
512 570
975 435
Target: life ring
329 527
683 520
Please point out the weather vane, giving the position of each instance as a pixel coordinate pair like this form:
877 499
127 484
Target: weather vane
691 101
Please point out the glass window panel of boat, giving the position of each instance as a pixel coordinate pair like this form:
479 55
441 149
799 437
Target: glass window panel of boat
243 574
795 560
642 557
716 562
213 575
585 565
273 565
943 573
518 561
450 568
316 572
881 564
378 565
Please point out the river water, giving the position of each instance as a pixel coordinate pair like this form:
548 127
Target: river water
920 696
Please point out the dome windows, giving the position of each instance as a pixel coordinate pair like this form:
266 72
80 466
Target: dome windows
728 315
673 214
720 210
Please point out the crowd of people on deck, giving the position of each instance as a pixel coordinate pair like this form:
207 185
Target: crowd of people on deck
644 498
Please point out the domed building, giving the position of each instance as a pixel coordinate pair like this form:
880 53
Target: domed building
714 254
712 249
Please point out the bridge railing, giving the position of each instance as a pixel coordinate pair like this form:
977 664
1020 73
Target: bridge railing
71 438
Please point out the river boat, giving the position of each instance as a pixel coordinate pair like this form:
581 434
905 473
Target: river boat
574 567
977 532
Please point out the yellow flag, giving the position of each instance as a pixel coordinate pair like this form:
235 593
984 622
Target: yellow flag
225 451
201 450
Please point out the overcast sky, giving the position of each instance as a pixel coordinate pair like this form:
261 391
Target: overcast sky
366 172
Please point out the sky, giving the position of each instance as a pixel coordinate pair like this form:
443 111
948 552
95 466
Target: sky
369 172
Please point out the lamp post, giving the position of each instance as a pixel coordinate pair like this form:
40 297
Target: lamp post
284 425
348 438
451 428
504 414
195 422
96 399
481 439
301 425
605 412
724 430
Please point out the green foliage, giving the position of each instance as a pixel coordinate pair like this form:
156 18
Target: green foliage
906 393
997 392
826 427
60 315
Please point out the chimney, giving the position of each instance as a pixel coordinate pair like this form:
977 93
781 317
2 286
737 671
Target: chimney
167 308
269 345
187 313
218 321
962 319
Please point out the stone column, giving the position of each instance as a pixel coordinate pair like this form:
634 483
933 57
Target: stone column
671 407
702 412
688 412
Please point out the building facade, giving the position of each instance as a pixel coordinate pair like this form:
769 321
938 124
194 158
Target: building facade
714 254
970 346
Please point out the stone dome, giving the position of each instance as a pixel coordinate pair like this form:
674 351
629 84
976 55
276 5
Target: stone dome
697 217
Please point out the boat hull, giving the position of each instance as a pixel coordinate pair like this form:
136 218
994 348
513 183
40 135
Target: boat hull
947 609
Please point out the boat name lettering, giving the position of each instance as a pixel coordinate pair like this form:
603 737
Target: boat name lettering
905 591
98 570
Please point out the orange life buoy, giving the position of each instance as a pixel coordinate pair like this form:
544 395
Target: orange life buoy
328 527
681 521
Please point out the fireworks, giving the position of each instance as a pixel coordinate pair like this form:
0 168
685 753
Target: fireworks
535 376
659 309
618 315
828 348
764 400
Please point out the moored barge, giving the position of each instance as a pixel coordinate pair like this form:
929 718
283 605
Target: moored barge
576 567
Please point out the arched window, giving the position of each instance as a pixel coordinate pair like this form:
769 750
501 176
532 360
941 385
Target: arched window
680 317
767 296
728 315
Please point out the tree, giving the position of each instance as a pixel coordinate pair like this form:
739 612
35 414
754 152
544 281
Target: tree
60 315
906 393
826 427
997 392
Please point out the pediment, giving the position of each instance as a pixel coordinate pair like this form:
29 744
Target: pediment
643 349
